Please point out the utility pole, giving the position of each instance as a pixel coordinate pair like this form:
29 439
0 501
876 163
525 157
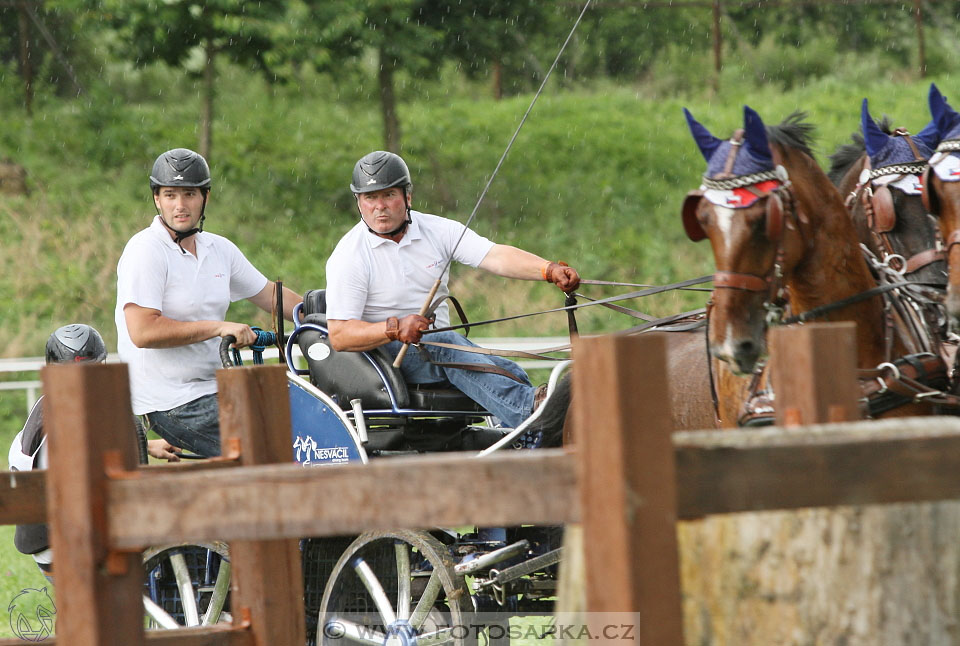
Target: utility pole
921 53
26 65
717 46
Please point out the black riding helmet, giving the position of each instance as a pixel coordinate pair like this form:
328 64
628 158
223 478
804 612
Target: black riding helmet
75 343
182 167
380 170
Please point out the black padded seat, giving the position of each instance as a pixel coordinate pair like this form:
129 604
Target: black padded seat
351 375
427 397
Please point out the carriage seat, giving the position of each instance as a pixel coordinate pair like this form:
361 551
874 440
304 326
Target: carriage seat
350 375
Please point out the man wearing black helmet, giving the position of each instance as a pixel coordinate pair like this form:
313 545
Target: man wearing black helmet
174 284
383 269
74 343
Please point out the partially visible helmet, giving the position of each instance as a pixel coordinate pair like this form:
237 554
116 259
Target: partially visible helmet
379 170
75 343
180 167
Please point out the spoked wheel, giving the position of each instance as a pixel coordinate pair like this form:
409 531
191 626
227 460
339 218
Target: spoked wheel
187 585
395 588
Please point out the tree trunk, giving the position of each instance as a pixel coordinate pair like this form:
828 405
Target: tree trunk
388 104
497 77
206 117
26 66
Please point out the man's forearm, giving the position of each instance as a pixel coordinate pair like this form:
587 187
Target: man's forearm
356 336
162 332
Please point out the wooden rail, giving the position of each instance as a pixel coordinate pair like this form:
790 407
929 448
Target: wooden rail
628 482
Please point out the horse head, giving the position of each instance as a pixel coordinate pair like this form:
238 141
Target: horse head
880 172
941 194
745 208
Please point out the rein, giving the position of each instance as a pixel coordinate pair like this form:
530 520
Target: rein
567 308
542 354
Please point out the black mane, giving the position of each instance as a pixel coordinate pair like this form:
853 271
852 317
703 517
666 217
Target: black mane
847 154
793 132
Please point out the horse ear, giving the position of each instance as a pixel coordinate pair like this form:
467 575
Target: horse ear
707 143
945 117
874 138
929 136
756 134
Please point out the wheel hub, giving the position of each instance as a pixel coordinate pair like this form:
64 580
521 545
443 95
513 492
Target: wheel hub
400 633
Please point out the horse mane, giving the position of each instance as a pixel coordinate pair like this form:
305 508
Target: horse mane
794 132
847 155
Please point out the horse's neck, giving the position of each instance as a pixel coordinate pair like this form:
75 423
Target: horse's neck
832 267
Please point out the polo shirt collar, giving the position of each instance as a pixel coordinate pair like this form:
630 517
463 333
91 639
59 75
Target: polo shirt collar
413 232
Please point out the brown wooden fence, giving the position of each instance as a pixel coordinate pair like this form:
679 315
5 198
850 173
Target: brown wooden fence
628 482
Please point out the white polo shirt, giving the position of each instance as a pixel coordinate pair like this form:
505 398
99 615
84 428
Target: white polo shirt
154 273
370 278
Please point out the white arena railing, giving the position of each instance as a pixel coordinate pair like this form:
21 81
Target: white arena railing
32 388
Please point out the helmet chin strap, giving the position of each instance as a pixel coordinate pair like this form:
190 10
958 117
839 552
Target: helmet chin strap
180 236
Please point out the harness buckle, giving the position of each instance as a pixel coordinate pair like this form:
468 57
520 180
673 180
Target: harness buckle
883 386
893 369
774 314
896 262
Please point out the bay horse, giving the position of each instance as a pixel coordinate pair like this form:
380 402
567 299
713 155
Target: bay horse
778 226
879 173
941 195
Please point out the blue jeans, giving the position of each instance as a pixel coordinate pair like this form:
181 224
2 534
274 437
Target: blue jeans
509 400
194 426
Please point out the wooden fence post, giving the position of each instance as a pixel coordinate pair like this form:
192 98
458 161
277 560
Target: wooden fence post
628 484
267 577
813 372
89 426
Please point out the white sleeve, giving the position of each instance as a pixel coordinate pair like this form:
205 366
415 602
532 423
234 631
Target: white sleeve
472 248
347 287
141 275
245 279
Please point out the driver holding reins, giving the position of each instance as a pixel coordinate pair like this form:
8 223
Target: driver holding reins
383 269
175 282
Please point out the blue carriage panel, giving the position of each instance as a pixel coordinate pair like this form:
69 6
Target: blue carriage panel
321 433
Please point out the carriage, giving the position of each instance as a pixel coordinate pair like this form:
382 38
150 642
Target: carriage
442 586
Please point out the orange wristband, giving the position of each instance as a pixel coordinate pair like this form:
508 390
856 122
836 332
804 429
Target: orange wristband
543 270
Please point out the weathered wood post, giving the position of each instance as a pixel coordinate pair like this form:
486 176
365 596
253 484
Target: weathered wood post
89 426
628 485
813 371
267 579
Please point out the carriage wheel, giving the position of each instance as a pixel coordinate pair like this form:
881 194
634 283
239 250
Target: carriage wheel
187 585
395 587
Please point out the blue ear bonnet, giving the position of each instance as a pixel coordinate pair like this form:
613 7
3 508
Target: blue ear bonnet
947 119
754 154
748 161
898 151
887 150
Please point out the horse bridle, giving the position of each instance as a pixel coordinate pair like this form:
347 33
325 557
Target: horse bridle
878 206
931 202
780 203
